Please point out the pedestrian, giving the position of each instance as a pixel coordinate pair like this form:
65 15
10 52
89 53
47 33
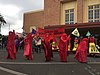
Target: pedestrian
11 46
72 38
47 47
63 47
3 41
28 46
21 43
52 43
0 40
38 43
34 47
92 47
81 52
17 42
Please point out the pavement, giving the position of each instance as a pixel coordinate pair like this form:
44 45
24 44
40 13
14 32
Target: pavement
38 66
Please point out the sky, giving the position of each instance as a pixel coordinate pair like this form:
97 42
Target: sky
13 10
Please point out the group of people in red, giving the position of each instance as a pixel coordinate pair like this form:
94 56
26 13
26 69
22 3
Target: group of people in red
11 48
81 52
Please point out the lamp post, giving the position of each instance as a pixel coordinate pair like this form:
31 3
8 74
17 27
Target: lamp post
9 26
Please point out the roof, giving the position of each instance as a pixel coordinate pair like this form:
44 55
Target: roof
35 11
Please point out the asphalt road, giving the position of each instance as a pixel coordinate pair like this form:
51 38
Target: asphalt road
38 66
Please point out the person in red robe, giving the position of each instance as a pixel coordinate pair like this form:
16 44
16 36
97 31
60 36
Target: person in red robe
63 47
28 46
47 47
11 46
81 52
52 39
13 43
92 40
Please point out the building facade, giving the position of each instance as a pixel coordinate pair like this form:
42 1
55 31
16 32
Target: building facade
83 14
33 20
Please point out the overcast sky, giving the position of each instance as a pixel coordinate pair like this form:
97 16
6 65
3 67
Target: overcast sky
12 11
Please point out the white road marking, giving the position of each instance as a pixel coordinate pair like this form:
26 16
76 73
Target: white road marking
88 68
11 71
89 71
38 63
92 70
46 63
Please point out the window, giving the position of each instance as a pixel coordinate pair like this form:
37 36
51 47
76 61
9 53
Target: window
94 13
69 16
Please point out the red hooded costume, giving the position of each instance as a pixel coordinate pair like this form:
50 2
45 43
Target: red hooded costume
11 46
47 47
28 47
63 47
81 52
91 40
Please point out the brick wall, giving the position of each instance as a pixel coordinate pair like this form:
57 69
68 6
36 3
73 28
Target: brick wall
50 16
52 12
79 11
33 19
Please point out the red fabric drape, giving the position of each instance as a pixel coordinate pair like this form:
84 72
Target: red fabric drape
63 47
47 47
11 46
28 46
91 39
81 52
57 32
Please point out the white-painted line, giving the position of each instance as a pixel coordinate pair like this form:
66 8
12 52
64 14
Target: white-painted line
88 66
89 71
47 63
57 63
92 70
11 71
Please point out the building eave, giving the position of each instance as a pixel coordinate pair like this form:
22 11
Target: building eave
35 11
64 1
71 26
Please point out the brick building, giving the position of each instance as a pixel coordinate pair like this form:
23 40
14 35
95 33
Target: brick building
33 20
83 14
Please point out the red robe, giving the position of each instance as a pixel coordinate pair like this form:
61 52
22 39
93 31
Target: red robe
47 47
63 47
81 52
11 46
28 47
91 40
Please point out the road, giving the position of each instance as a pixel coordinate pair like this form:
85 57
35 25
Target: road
38 66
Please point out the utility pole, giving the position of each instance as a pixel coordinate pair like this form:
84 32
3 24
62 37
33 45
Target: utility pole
9 26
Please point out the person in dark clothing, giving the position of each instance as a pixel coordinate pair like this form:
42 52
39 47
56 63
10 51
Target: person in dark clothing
34 46
21 43
38 44
17 42
4 39
72 42
51 47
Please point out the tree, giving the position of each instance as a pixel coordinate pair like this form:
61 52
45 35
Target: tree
2 21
